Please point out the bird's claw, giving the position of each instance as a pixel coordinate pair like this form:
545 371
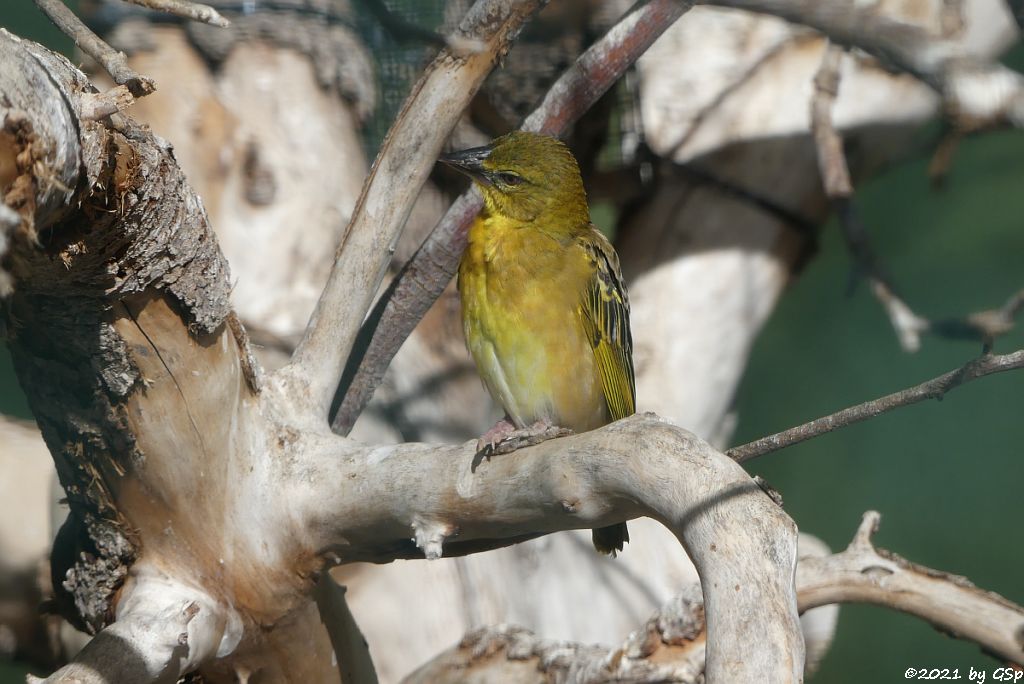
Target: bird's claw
504 438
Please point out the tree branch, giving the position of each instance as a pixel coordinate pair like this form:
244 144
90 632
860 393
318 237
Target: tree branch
403 163
952 604
187 10
671 645
936 388
984 326
835 177
974 89
742 544
423 279
115 63
163 630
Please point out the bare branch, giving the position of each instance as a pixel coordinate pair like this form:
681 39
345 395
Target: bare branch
115 63
909 326
985 326
524 658
425 276
742 544
936 388
974 89
864 574
163 630
671 645
185 9
835 176
403 163
349 644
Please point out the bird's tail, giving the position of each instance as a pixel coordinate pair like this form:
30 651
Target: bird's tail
611 539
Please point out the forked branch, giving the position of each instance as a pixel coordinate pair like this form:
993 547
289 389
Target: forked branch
115 63
423 279
671 645
952 604
742 544
984 326
402 165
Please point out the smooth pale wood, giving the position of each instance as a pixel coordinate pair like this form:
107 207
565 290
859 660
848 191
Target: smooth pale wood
406 156
229 497
705 272
671 645
639 466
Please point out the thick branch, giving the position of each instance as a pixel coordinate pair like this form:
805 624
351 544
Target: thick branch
936 388
403 163
974 89
742 544
163 630
423 279
671 645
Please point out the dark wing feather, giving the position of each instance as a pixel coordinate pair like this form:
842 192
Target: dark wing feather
605 315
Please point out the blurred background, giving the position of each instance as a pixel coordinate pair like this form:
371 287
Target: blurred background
947 477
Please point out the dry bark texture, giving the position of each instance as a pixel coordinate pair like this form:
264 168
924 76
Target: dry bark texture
670 646
702 246
162 428
255 461
163 424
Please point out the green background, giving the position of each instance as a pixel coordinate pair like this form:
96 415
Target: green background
946 476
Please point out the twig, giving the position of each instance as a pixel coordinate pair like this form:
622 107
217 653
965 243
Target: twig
831 160
936 388
984 326
425 276
115 63
187 10
835 177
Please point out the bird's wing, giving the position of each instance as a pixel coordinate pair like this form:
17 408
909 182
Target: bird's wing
605 316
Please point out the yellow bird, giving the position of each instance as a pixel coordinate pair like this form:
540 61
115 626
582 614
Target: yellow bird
543 305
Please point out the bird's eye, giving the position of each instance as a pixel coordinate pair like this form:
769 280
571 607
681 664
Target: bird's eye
508 178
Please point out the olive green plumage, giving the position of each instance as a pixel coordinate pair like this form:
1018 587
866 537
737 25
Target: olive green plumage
544 308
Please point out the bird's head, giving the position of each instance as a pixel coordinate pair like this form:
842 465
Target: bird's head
527 177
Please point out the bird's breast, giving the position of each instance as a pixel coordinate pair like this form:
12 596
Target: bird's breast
521 297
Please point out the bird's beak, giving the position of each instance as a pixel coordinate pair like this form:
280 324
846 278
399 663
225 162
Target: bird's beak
469 162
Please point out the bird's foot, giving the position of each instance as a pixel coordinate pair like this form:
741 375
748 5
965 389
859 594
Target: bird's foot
497 434
504 438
